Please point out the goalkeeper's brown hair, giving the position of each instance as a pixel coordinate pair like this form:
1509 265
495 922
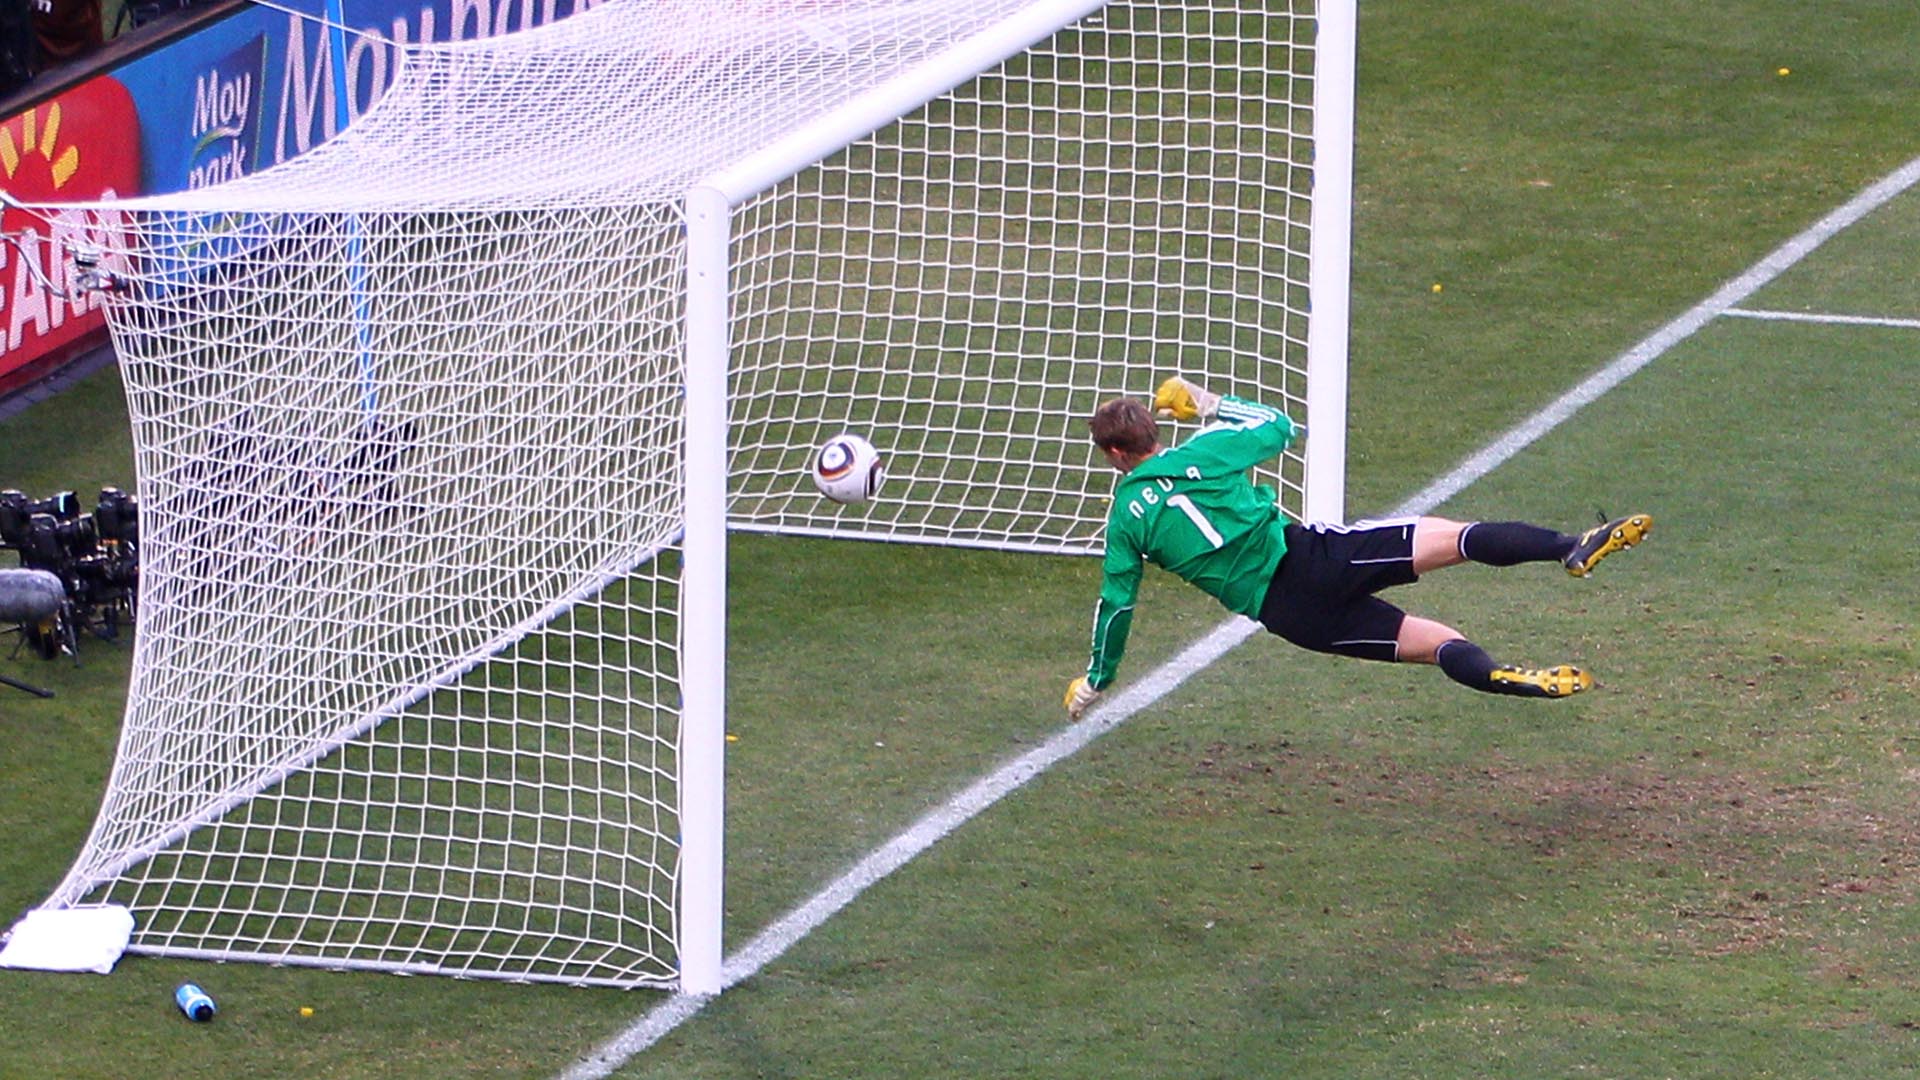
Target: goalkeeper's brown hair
1125 425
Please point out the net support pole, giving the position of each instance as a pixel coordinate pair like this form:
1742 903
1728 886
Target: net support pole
703 594
1329 277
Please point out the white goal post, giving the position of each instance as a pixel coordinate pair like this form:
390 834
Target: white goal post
441 427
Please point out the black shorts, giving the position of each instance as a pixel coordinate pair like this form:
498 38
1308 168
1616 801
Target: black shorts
1321 596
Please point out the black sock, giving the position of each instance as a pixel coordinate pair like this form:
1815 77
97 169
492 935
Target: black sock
1467 664
1505 543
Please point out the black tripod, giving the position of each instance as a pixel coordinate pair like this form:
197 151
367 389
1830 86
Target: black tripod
18 685
46 642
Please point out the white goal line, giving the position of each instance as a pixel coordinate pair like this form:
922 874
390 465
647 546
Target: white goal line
783 934
1816 317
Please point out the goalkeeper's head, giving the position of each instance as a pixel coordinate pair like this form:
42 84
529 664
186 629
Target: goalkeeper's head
1126 432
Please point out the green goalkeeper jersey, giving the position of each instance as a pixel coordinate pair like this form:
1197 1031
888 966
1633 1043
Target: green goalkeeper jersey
1192 510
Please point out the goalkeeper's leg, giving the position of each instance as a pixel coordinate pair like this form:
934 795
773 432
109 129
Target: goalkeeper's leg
1438 542
1424 641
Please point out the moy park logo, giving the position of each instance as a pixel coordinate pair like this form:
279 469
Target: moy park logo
225 123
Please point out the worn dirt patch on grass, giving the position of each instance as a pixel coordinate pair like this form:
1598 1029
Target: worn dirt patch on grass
1739 859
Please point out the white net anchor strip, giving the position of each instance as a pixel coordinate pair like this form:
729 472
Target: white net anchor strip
408 423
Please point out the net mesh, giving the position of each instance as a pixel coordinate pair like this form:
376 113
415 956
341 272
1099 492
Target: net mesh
407 415
1123 201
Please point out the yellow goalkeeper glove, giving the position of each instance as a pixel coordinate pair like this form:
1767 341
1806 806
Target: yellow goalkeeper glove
1080 697
1184 400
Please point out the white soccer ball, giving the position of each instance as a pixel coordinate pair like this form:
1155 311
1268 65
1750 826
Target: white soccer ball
847 469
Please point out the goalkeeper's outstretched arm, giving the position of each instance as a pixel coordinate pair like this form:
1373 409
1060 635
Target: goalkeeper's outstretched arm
1112 623
1240 432
1183 399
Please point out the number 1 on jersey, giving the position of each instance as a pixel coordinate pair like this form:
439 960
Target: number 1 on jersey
1199 520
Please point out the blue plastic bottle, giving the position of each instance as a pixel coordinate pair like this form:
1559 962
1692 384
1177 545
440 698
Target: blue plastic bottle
194 1002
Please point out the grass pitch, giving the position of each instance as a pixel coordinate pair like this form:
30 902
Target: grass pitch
1296 865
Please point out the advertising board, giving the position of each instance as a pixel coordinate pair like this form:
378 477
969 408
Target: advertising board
256 88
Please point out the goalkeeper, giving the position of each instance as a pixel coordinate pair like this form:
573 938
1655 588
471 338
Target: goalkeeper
1192 510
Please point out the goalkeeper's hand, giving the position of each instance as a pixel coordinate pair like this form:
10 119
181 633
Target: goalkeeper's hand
1184 400
1080 697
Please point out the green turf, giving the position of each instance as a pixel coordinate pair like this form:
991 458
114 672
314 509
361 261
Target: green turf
1298 866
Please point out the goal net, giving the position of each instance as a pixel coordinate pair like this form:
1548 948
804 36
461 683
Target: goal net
440 427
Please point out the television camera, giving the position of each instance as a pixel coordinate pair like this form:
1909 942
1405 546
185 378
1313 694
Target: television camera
94 555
